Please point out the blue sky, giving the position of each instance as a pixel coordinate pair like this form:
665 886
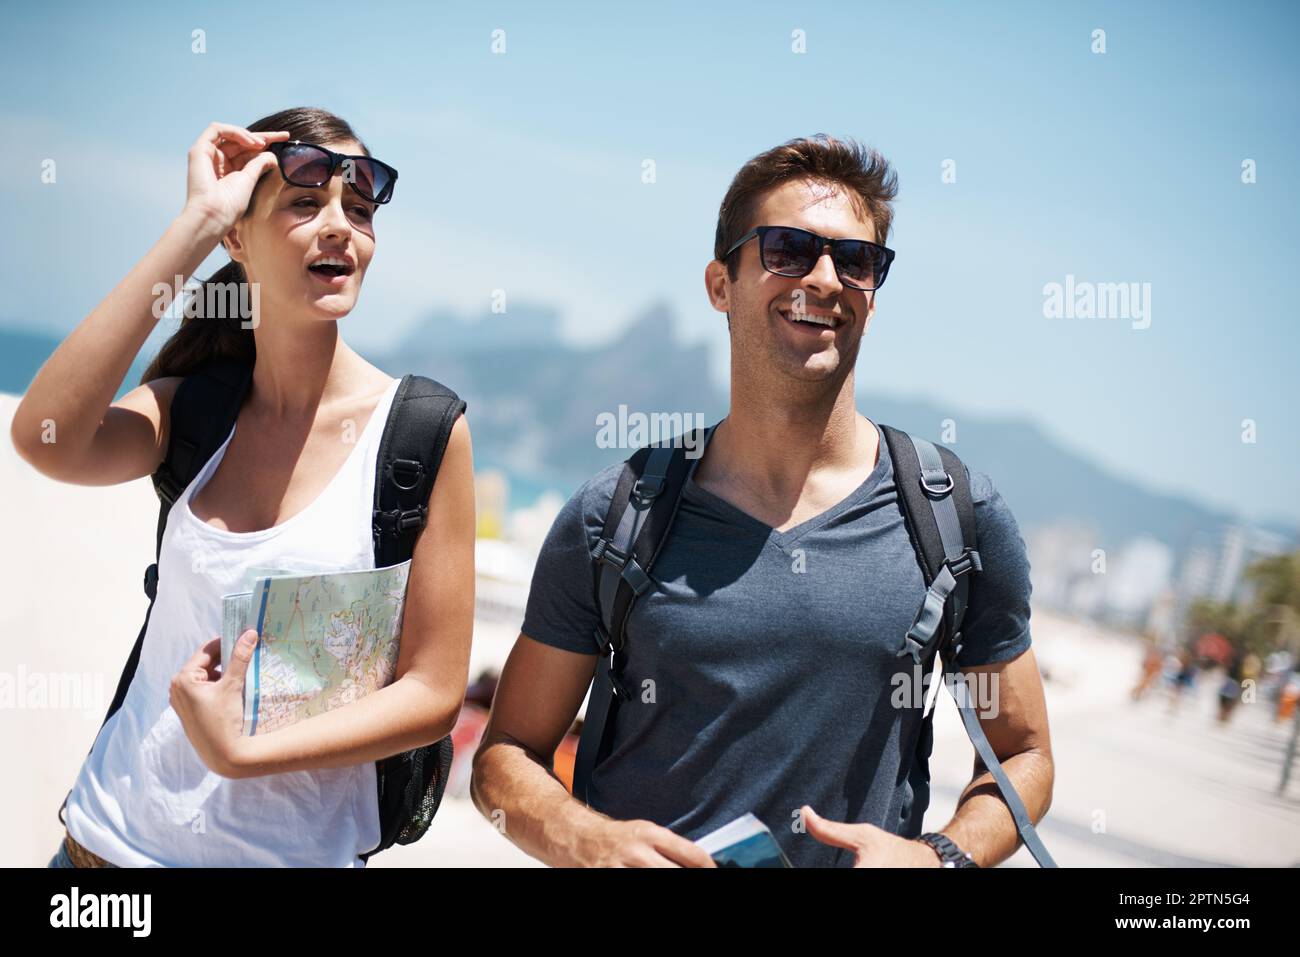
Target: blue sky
522 172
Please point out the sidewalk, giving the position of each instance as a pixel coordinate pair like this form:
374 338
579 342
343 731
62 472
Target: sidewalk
1138 786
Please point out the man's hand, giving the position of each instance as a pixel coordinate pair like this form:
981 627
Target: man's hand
875 846
638 844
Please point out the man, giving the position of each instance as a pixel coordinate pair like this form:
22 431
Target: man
763 660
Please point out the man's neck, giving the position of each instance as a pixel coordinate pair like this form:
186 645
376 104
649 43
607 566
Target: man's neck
777 443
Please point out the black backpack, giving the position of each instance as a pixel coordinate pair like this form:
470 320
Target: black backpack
940 519
203 411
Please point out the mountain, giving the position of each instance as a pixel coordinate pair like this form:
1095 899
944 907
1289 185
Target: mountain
1045 483
24 351
534 400
533 403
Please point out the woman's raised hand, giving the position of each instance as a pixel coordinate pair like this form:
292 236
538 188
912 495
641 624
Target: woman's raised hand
225 164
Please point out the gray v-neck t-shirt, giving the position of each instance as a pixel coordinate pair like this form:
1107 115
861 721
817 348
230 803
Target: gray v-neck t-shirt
762 663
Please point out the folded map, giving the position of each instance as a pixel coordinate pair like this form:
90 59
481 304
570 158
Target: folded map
326 639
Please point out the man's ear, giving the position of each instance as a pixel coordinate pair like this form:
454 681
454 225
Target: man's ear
716 285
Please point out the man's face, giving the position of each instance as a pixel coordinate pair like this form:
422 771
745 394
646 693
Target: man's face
767 335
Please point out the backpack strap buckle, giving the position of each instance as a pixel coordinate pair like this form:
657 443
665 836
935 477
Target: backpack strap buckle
629 570
169 490
606 553
922 638
406 473
933 485
647 489
409 518
398 520
968 561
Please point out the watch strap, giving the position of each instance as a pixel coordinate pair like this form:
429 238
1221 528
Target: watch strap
950 855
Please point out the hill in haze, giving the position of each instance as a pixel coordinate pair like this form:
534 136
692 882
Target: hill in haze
534 400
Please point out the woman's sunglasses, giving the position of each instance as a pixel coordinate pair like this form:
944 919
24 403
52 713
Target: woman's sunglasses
793 252
309 165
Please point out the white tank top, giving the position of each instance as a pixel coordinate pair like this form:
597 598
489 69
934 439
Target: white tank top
144 797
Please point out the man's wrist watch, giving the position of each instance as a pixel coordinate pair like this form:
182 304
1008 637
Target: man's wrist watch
950 855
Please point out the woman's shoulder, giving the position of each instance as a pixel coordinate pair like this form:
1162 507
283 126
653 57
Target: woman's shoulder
459 434
437 381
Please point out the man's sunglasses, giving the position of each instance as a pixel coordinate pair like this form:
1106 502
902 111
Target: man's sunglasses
309 165
793 252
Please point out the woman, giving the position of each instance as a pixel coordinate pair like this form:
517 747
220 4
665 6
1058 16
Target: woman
171 780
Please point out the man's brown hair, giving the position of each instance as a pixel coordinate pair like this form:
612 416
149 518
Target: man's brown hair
863 174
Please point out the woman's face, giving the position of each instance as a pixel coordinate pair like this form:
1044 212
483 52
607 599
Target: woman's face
290 230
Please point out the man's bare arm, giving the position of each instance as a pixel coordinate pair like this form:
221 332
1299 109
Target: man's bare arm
982 825
514 783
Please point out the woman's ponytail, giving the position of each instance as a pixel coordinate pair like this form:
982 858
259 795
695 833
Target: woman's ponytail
211 334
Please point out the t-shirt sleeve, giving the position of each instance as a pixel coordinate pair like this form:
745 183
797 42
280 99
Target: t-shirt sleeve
561 609
996 626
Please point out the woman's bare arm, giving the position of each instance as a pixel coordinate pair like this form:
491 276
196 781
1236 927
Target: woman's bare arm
67 425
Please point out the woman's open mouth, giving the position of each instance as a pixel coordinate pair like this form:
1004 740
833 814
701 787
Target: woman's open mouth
332 270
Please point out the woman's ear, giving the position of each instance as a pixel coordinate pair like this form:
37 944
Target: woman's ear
234 248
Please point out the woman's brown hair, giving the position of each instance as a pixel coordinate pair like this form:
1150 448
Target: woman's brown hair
204 338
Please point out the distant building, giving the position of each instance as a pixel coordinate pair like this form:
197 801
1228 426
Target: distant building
1060 560
1074 572
1135 579
1240 547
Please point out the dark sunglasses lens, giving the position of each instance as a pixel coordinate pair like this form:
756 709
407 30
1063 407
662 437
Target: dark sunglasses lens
789 252
860 264
369 178
305 165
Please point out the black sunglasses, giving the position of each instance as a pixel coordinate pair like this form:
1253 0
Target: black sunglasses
309 165
793 252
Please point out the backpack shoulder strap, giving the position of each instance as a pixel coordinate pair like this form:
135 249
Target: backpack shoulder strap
640 516
203 411
415 438
935 499
940 521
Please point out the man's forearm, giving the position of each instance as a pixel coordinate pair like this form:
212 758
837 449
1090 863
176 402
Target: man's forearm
527 803
983 825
